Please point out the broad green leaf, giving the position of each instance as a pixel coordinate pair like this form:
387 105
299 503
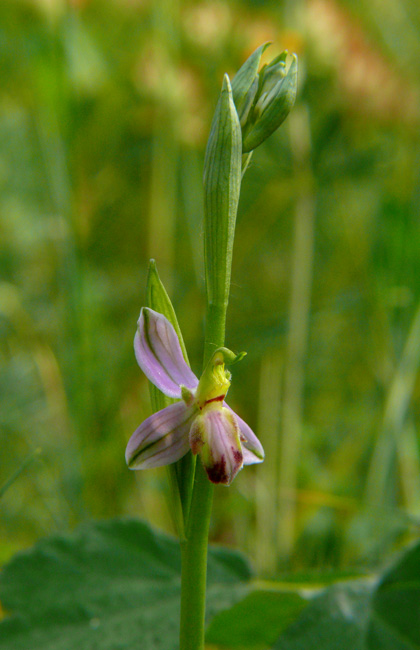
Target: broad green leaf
256 622
395 619
373 613
110 585
334 621
379 614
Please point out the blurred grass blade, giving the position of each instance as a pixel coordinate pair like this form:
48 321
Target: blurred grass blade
28 461
409 462
300 302
268 426
396 407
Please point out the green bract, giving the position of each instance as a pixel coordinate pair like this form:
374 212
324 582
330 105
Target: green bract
222 182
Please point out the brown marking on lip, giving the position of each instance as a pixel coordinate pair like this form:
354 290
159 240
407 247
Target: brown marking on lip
238 456
220 398
217 473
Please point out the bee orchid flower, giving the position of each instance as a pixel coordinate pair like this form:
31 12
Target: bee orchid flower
200 420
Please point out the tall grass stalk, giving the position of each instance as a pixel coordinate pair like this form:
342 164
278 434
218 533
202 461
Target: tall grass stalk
409 463
299 309
268 425
163 199
394 422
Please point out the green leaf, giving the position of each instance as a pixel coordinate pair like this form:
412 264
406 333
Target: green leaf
364 615
396 606
334 621
372 613
112 585
256 622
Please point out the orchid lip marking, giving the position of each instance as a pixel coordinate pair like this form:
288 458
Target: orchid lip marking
220 398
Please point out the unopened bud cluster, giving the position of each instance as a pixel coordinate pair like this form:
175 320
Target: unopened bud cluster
263 99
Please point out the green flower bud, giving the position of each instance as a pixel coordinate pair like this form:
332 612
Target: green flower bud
245 84
272 72
263 99
272 104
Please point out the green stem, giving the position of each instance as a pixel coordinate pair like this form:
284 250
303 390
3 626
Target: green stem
194 564
194 548
215 329
222 181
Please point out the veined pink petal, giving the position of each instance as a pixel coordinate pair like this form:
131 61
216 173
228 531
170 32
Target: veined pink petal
215 436
162 438
159 354
252 449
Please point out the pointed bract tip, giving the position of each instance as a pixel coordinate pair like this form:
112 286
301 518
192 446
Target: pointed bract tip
226 86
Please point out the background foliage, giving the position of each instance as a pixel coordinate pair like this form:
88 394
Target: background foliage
83 590
105 108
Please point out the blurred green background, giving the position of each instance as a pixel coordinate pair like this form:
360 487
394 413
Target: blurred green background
105 109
